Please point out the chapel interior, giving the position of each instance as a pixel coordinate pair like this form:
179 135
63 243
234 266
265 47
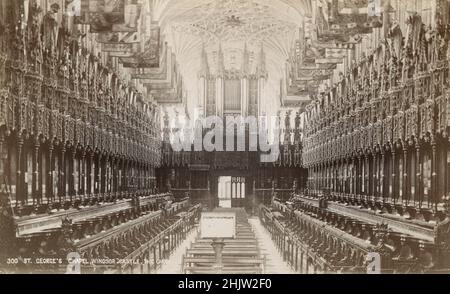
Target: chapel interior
97 95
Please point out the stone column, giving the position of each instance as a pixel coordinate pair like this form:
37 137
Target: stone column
418 177
434 189
382 175
83 174
35 180
393 181
219 96
40 175
244 96
73 176
62 175
7 227
359 176
20 184
375 170
103 175
97 177
114 171
50 171
366 176
405 196
91 181
355 175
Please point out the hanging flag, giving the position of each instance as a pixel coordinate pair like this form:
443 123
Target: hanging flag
374 8
336 52
104 14
82 16
161 72
374 15
132 19
101 14
117 37
120 44
125 44
120 49
151 55
306 74
73 8
341 19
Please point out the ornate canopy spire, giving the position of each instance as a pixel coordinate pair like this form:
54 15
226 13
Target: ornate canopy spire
204 70
220 61
261 66
245 60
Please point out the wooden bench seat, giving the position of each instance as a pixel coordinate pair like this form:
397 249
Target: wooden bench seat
229 241
245 233
245 237
239 256
225 253
244 228
233 246
225 249
225 260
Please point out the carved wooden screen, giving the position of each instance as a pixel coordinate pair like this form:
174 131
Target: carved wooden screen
199 179
426 171
232 97
12 169
447 166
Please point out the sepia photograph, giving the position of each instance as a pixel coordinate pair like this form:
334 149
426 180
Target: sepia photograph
105 14
225 137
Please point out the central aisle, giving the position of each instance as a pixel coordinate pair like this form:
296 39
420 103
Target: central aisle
274 263
274 260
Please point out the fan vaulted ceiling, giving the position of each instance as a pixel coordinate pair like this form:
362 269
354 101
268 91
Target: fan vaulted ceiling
191 25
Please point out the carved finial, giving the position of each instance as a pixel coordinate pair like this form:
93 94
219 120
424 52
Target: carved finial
287 119
65 222
245 60
381 231
166 130
204 71
186 111
50 27
177 118
297 121
220 60
261 66
34 50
